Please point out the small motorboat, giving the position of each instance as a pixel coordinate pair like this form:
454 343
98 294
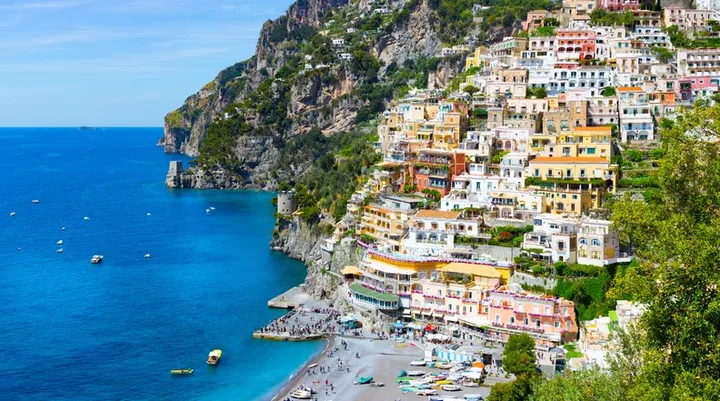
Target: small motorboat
426 392
96 259
35 201
377 384
451 387
212 208
470 383
301 394
149 214
147 256
214 356
12 214
181 371
473 397
418 363
364 380
60 242
62 229
415 373
86 218
207 210
59 251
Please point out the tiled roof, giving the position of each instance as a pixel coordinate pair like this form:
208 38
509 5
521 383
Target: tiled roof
438 214
568 159
629 89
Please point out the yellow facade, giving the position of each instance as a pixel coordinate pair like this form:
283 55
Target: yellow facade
475 60
384 223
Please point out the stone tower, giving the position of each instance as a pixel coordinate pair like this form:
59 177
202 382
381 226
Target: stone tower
174 176
286 203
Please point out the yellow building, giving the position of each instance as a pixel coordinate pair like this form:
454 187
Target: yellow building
476 59
447 135
386 224
571 184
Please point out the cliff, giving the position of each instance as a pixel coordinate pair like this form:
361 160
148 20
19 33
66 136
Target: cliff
240 123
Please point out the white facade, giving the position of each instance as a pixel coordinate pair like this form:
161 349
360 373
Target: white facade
470 191
598 244
512 170
555 235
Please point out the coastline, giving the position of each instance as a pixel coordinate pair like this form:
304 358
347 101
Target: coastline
295 378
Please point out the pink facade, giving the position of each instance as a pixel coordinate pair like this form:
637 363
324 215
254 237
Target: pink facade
620 5
575 44
549 319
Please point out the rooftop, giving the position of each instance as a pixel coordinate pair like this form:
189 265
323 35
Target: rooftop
438 214
380 296
568 159
471 269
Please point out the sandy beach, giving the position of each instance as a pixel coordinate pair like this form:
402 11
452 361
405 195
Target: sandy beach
381 359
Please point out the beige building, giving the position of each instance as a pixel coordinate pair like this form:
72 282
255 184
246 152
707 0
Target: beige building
564 116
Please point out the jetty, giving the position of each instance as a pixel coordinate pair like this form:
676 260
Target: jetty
304 323
293 298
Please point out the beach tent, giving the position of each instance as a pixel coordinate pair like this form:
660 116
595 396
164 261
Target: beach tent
398 325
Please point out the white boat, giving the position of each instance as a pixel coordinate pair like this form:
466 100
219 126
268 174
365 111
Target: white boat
35 201
86 218
62 229
451 387
212 208
470 384
415 373
428 391
418 363
59 250
207 210
96 259
147 256
12 214
149 214
60 242
301 394
473 397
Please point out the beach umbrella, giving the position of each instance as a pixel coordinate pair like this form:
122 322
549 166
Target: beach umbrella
398 325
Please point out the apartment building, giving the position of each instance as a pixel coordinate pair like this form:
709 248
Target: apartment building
435 168
636 120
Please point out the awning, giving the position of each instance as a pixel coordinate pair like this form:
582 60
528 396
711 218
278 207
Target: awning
427 312
407 312
451 318
351 270
357 288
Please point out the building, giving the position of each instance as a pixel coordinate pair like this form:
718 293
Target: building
509 46
548 319
685 18
692 62
435 168
636 120
575 44
553 238
534 20
512 170
434 232
619 5
598 243
564 116
385 223
286 203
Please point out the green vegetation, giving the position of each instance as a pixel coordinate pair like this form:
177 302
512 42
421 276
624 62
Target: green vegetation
609 91
498 156
664 55
600 16
543 31
507 12
508 236
680 39
571 352
174 119
518 359
538 92
582 385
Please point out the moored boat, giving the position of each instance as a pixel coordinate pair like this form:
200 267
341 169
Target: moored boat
60 242
418 363
12 214
301 394
214 356
451 387
59 251
181 371
96 259
35 201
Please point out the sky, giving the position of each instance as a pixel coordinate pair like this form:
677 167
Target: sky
117 62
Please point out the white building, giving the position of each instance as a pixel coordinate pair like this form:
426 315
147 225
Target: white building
598 244
512 170
554 236
470 191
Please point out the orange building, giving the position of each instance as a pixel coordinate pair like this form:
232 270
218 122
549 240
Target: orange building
434 169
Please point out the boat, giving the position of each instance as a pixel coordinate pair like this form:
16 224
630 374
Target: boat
12 214
35 201
312 365
149 214
181 371
470 384
212 208
364 380
451 387
214 356
62 229
415 373
59 251
207 210
60 242
426 392
301 394
147 256
96 259
418 363
86 128
377 384
473 397
86 218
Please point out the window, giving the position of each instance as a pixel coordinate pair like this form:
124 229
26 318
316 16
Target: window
497 318
557 325
525 321
512 319
595 242
537 323
568 324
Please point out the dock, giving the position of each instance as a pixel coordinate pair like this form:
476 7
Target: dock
290 299
287 337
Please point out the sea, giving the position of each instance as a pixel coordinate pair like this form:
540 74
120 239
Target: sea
70 330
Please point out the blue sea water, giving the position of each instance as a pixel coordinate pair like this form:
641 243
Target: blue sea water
71 330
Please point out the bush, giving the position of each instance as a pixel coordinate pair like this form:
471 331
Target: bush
634 155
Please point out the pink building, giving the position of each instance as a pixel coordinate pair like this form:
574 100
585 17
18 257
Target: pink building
548 319
534 20
575 44
620 5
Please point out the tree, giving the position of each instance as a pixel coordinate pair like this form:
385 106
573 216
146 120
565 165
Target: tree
676 241
608 91
519 355
539 92
521 389
664 55
471 90
586 384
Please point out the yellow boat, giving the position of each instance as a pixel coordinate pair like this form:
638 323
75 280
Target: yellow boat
214 356
181 371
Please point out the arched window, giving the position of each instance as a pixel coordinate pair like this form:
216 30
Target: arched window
512 319
595 242
583 253
417 303
582 241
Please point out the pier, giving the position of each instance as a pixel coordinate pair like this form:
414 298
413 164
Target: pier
291 299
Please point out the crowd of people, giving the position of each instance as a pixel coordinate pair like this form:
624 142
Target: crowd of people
302 322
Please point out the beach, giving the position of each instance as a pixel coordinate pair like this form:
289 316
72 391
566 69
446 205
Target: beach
381 359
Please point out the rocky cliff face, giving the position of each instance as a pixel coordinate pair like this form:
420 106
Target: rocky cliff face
325 96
